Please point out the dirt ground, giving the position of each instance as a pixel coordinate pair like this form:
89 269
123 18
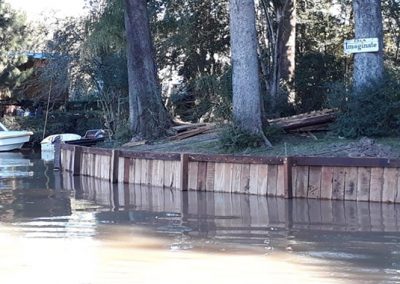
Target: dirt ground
321 144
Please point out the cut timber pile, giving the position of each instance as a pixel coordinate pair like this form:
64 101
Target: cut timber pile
190 130
307 122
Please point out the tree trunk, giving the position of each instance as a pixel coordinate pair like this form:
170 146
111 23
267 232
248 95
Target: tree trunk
148 116
368 67
287 42
245 76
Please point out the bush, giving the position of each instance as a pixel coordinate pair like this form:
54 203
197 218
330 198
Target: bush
234 139
374 112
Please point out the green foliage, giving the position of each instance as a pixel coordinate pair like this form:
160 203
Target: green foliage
274 133
315 72
374 112
233 139
208 97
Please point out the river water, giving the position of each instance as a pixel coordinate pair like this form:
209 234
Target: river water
57 228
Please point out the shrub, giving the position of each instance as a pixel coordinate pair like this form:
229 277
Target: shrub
233 139
374 112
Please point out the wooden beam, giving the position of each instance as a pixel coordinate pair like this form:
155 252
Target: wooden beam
236 159
184 182
346 162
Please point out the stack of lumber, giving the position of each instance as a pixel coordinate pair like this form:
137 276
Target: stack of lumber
306 122
190 130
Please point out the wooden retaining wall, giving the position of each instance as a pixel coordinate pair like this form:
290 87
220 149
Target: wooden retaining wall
361 179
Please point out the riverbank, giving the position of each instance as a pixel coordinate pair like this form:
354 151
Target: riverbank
318 144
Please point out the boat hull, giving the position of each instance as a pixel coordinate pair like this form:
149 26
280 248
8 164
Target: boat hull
13 140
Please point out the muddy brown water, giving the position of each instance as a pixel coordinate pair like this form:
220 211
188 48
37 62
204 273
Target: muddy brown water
56 228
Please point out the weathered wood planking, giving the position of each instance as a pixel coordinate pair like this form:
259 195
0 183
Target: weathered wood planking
280 186
202 176
390 181
210 180
376 186
223 177
245 179
367 179
262 180
193 173
326 182
314 182
236 175
338 183
351 183
272 180
301 184
254 179
363 184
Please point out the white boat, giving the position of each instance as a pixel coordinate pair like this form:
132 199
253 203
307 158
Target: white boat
47 144
12 140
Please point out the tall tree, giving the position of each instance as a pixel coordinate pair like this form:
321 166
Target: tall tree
148 116
245 76
368 67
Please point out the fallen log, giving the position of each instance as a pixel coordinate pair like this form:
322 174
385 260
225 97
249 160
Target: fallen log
310 120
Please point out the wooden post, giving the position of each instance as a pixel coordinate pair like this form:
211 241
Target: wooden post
77 160
184 172
287 175
114 166
57 153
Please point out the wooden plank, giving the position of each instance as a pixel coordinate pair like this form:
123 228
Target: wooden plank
262 181
236 159
223 177
96 151
157 173
281 182
183 182
150 155
131 170
272 179
376 187
351 183
397 200
138 170
236 173
202 176
338 183
364 183
114 166
126 170
193 173
390 180
326 182
245 179
210 176
169 176
121 169
314 183
227 177
254 179
346 162
143 171
301 181
178 182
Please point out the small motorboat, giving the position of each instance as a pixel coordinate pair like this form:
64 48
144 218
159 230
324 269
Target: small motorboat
47 144
90 138
13 140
